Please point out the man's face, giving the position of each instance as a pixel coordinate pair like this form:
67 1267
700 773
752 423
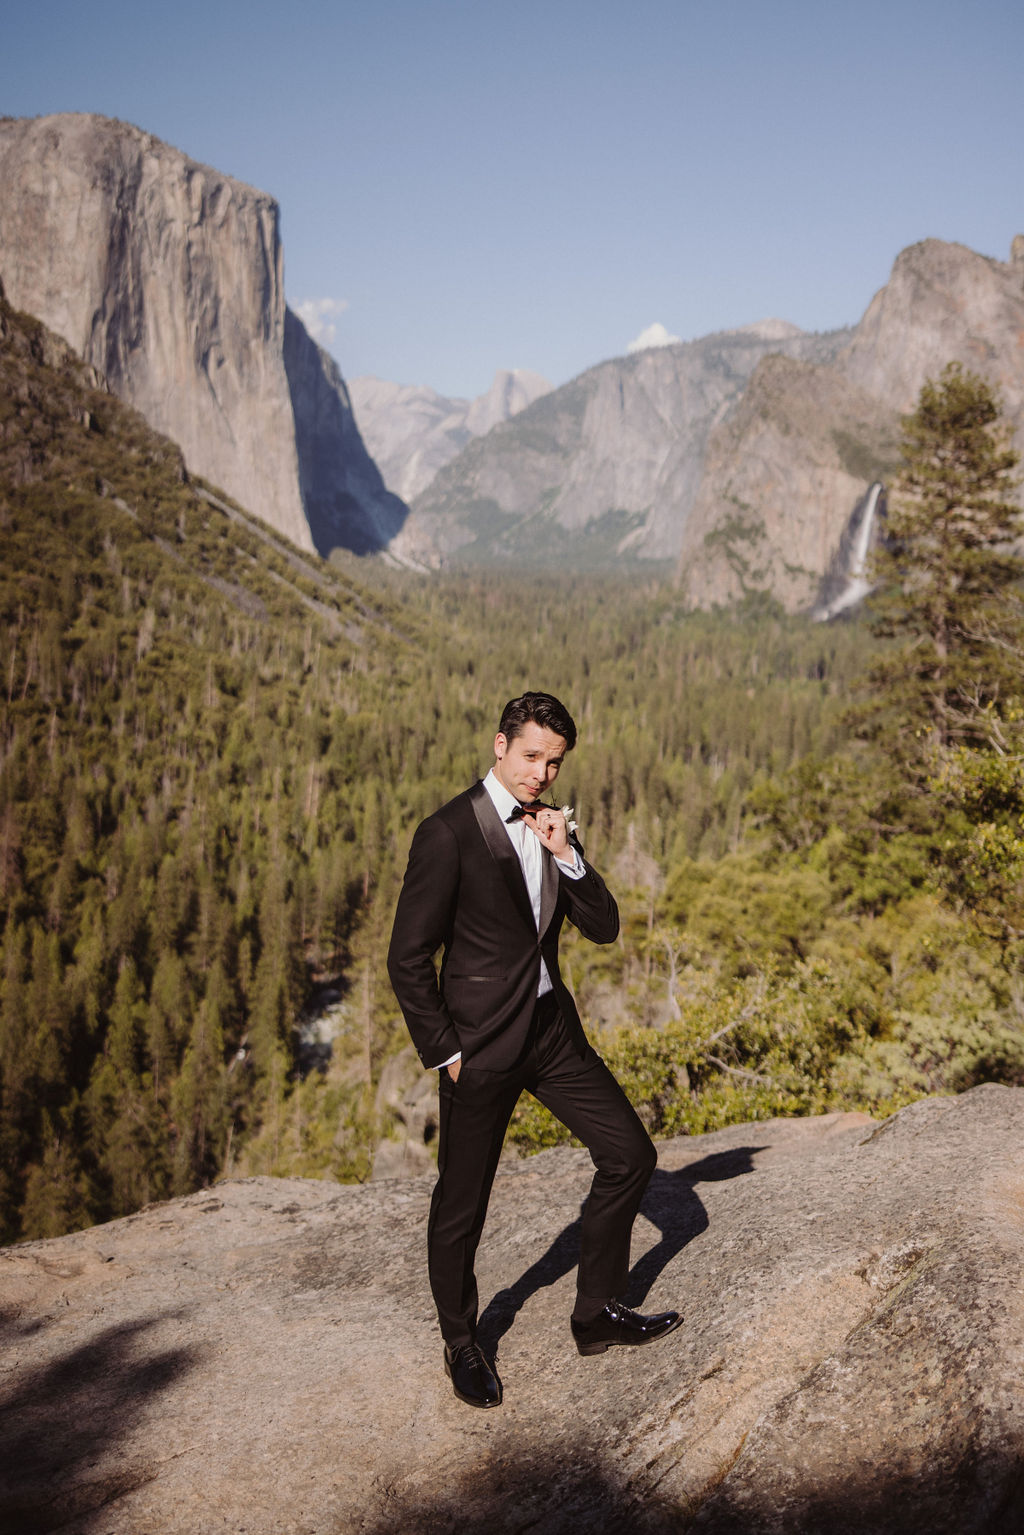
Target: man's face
529 763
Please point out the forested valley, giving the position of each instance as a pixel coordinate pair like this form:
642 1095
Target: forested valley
214 751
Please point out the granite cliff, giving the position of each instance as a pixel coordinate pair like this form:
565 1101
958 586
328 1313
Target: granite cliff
786 474
782 476
413 431
609 465
741 458
167 277
262 1356
943 303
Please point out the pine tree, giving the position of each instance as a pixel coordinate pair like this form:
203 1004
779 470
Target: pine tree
947 570
951 597
199 1105
55 1191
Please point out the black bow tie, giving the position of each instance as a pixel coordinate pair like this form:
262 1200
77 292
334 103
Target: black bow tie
520 811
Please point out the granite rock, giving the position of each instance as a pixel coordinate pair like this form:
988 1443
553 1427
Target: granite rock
167 277
262 1356
412 431
606 467
943 303
781 477
679 453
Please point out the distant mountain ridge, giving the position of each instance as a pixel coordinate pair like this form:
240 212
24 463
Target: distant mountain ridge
741 458
609 464
167 277
412 431
786 475
738 460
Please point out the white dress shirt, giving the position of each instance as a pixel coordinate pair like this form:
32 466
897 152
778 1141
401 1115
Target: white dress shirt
521 838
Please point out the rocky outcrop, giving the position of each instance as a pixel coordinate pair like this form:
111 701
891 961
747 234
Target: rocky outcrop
781 478
685 453
787 475
943 303
343 494
413 432
604 468
166 276
263 1355
512 389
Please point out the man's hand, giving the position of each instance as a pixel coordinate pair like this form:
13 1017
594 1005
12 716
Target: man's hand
550 826
454 1068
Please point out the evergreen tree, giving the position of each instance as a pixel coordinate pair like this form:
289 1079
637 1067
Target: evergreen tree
946 572
951 598
55 1192
199 1099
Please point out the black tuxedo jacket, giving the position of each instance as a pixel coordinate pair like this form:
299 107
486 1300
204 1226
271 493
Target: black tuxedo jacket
465 892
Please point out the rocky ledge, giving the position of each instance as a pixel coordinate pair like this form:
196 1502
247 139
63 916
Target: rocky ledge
262 1357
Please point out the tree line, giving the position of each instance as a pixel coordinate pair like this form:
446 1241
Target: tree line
214 752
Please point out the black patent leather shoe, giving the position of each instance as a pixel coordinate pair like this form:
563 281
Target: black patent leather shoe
617 1324
474 1378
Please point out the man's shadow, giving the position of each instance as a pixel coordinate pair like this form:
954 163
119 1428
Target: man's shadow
670 1204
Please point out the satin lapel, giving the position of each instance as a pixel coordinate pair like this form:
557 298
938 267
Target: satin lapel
501 850
548 891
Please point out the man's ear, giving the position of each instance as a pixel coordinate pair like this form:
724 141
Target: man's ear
500 744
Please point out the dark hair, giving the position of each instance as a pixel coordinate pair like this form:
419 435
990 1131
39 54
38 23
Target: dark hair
542 709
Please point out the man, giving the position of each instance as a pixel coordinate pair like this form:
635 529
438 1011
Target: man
491 877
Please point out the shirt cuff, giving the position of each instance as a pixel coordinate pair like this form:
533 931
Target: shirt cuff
575 869
449 1062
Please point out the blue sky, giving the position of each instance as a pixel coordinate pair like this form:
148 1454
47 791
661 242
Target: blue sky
473 186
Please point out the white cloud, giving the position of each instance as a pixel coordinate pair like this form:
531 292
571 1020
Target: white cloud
654 335
318 315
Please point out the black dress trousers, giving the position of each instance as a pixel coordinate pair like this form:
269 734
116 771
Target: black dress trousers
474 1115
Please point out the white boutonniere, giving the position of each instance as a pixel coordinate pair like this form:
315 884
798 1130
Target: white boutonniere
567 811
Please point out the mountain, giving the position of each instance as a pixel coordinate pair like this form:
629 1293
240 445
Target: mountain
786 475
166 276
744 458
605 467
740 460
782 476
943 303
413 432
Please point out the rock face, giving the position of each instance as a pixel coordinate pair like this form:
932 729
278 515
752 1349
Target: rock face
343 495
413 432
263 1356
942 303
721 455
767 518
785 475
607 466
166 276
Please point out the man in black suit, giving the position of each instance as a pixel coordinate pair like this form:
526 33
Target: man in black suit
492 875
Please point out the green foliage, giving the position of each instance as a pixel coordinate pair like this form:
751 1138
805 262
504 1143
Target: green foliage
949 688
982 856
947 570
754 1049
184 762
214 751
929 1054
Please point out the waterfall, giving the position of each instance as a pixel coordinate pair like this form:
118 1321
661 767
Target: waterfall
857 585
